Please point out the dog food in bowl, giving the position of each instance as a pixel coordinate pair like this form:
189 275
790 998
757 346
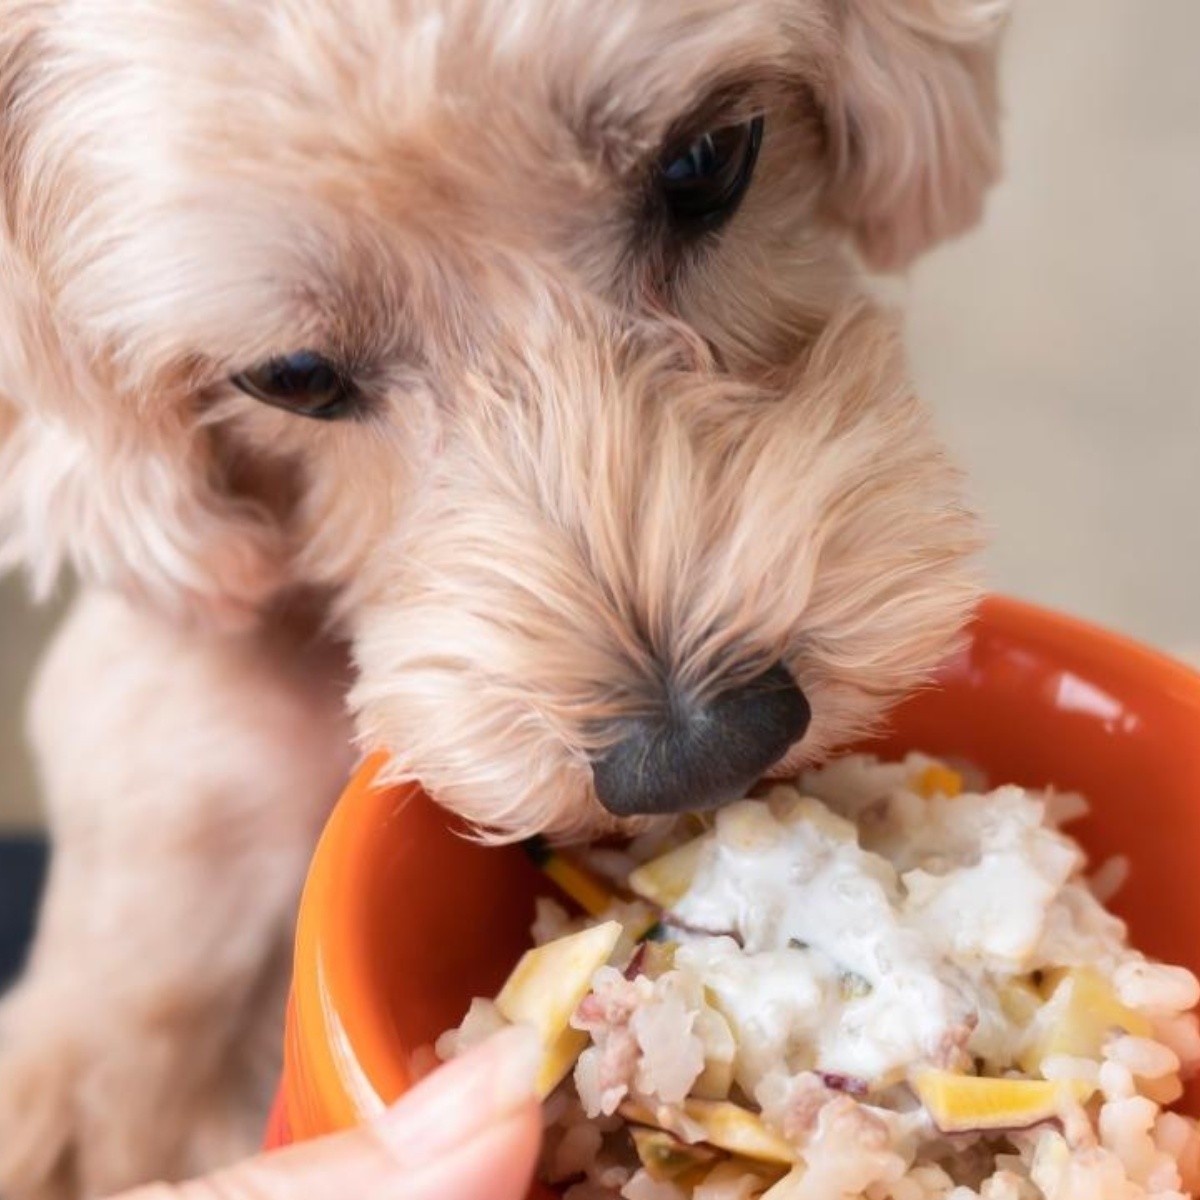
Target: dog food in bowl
884 981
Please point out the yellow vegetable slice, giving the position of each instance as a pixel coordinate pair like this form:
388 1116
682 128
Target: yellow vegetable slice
749 826
971 1103
788 1187
937 780
726 1177
736 1129
791 809
1080 1012
574 879
665 1157
725 1125
716 1080
665 880
639 924
1020 1001
659 958
559 1059
546 987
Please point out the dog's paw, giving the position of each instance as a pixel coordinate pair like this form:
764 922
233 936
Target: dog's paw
37 1108
90 1107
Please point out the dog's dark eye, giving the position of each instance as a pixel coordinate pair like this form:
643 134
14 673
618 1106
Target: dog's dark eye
305 383
703 182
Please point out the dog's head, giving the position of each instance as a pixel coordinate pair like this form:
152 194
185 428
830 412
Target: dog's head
531 332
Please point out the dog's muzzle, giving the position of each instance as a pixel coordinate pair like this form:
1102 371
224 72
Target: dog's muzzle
700 757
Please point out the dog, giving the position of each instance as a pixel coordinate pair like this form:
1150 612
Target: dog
501 383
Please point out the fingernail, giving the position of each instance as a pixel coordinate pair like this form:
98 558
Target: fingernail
463 1098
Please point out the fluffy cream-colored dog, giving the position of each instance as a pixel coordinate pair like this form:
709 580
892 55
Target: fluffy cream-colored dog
495 380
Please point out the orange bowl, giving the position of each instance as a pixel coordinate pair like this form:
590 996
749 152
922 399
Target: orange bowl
403 920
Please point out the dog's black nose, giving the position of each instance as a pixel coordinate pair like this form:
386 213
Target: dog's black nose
703 757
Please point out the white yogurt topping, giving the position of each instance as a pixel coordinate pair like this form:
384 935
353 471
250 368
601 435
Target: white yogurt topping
873 938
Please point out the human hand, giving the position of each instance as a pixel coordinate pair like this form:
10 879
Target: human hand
470 1131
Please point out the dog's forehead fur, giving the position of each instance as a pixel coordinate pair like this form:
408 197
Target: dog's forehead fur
375 80
396 147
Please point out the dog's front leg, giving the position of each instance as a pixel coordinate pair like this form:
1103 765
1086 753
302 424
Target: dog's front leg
187 775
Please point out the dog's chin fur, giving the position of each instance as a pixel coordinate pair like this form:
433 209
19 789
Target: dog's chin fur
596 460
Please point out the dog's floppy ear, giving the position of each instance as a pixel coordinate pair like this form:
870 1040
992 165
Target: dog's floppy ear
912 119
124 488
124 491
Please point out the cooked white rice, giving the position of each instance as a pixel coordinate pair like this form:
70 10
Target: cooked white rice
839 937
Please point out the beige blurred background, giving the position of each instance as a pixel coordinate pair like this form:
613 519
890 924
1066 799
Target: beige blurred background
1060 344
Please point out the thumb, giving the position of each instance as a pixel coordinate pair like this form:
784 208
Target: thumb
469 1131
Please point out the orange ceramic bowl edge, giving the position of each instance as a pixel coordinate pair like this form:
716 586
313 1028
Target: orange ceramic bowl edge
324 1089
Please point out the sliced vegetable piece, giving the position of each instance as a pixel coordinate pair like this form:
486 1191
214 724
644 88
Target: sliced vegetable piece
641 924
971 1103
739 1131
720 1051
1080 1012
665 880
665 1157
788 1187
748 825
937 779
1020 1001
726 1177
722 1124
659 958
716 1080
790 809
546 987
590 893
559 1060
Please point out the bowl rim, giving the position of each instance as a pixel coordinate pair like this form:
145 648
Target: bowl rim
1091 640
337 1046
